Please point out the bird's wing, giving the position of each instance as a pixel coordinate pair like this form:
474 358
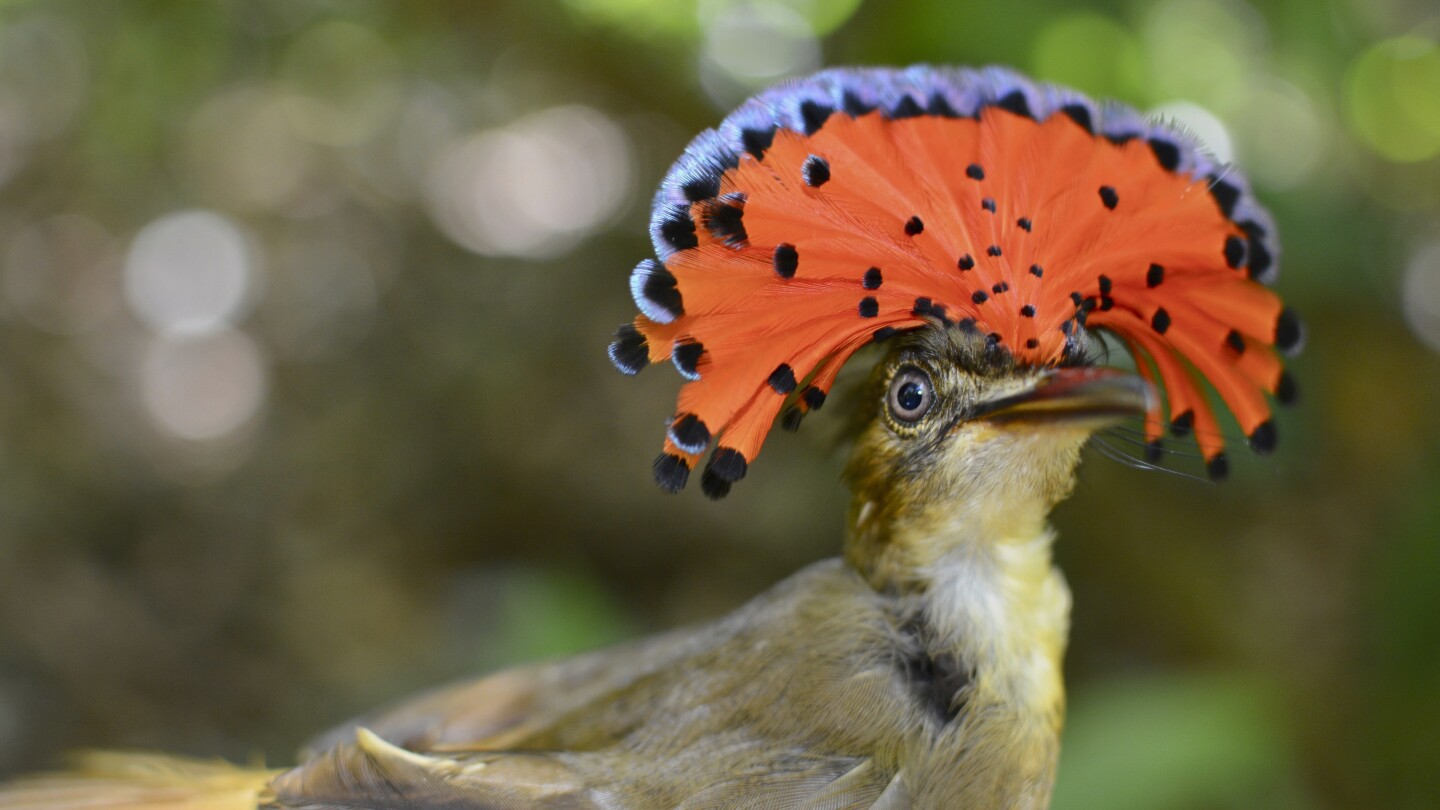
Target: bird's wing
498 710
374 774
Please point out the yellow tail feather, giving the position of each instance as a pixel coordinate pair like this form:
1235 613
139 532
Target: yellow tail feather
113 781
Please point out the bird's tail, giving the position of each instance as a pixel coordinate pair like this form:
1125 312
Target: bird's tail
113 781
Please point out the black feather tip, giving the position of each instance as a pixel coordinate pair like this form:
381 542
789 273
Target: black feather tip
629 351
671 472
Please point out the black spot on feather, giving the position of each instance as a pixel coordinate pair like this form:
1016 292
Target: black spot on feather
993 250
713 485
725 220
814 398
908 107
1166 152
988 204
679 230
1264 438
979 296
782 379
1234 251
1287 392
1261 260
1106 285
1109 197
1182 424
702 187
1027 311
816 171
689 433
884 333
813 115
629 351
1218 468
854 106
790 419
975 172
1225 194
1080 114
1024 223
686 355
1154 276
914 226
757 141
1154 451
671 472
967 262
872 279
660 289
941 107
1160 321
786 260
869 307
1289 332
727 464
1037 271
1236 341
922 306
1016 102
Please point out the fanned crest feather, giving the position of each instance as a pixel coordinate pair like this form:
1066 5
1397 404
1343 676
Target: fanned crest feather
836 210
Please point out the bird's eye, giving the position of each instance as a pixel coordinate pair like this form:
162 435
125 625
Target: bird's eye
911 395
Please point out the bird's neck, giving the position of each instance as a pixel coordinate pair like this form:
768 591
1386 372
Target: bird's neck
979 568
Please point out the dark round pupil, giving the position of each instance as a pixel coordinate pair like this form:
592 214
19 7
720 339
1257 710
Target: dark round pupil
910 396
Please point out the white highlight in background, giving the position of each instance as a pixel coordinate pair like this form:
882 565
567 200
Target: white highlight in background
203 387
533 189
1420 296
190 272
1201 123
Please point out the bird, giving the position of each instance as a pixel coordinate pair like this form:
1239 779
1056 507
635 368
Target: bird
981 236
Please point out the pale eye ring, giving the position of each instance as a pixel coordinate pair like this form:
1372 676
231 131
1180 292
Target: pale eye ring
911 395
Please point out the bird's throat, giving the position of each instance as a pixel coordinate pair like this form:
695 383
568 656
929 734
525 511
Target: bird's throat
980 569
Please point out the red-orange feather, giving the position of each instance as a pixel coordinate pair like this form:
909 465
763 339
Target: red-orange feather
1003 218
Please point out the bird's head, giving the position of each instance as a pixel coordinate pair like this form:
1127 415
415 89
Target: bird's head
979 226
954 433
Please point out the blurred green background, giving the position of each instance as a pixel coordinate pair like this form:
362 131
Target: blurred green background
304 402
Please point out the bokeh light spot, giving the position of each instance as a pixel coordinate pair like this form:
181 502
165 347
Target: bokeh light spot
1206 50
190 272
203 387
1090 52
532 189
242 150
344 82
750 45
1421 294
1201 123
1281 133
1392 98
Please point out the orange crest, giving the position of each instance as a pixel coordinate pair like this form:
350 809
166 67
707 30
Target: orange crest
841 209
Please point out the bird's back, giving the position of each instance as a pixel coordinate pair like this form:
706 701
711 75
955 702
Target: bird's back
820 693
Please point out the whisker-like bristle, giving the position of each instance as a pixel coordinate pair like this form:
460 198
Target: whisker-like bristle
1115 454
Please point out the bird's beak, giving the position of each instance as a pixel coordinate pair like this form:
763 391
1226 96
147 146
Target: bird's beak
1081 394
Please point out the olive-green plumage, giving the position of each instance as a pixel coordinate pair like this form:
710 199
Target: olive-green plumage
922 670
